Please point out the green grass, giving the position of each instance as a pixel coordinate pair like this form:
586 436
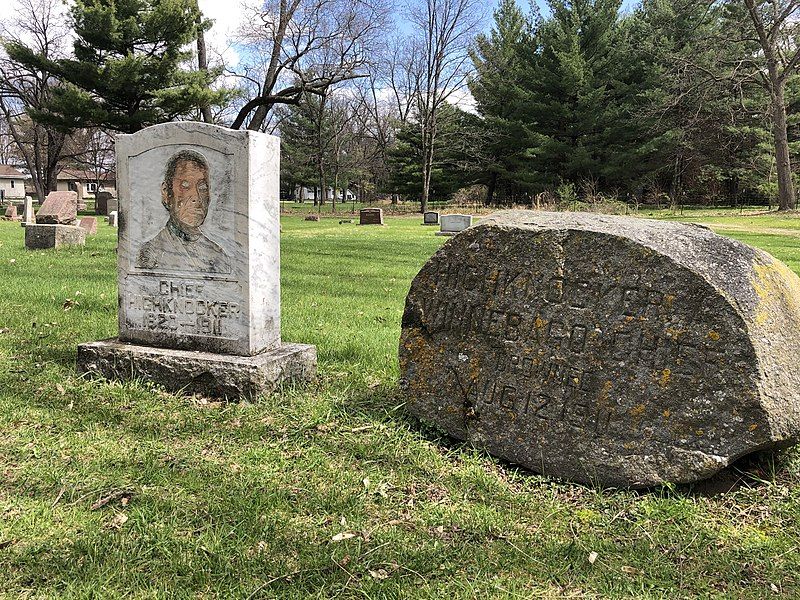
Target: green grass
250 500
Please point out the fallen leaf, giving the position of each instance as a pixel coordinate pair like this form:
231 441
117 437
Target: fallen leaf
774 588
118 521
345 535
60 389
593 557
631 570
342 521
366 482
380 574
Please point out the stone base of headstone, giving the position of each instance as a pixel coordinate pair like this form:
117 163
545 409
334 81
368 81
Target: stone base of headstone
40 237
205 373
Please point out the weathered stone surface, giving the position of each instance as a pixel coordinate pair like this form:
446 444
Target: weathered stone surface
40 237
89 224
199 241
113 218
453 224
602 349
204 373
59 208
11 212
370 216
430 218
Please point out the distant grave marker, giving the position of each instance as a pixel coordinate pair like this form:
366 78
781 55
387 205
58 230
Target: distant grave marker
453 224
89 224
56 223
430 218
370 216
609 350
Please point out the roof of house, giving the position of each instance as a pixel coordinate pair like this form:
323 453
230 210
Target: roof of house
81 175
9 172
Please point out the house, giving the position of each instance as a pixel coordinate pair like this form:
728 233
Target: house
304 193
12 183
86 182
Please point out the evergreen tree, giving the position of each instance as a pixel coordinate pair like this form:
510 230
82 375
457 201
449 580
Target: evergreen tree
582 90
500 101
127 72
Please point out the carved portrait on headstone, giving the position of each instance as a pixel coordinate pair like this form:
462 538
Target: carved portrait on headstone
181 244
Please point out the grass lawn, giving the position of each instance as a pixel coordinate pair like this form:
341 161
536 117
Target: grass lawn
333 490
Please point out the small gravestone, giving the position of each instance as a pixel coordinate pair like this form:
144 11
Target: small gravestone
112 205
11 213
370 216
453 224
608 350
59 208
430 218
56 223
312 218
28 215
89 224
113 218
198 265
101 203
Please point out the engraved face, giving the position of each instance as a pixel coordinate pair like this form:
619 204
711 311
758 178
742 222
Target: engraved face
188 196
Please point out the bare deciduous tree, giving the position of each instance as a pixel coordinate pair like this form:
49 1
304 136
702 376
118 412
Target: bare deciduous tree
304 46
776 25
444 32
39 24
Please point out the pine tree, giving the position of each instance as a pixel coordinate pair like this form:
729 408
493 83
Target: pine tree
127 72
500 101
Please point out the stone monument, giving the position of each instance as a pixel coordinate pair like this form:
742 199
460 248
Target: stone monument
609 350
113 218
56 223
198 265
453 224
89 224
370 216
11 213
430 218
28 216
101 203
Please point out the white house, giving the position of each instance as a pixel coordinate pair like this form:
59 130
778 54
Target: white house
12 183
85 182
305 193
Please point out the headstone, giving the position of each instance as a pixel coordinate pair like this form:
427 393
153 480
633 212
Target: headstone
312 218
113 218
28 216
430 218
56 223
370 216
101 202
453 224
11 212
89 224
59 208
41 237
605 350
198 265
112 205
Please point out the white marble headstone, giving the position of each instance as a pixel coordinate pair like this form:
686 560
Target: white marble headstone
199 255
454 223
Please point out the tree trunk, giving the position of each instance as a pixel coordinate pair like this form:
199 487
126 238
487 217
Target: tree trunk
490 189
786 194
202 62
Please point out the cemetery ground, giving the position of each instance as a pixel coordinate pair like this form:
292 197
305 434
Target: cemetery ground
333 489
